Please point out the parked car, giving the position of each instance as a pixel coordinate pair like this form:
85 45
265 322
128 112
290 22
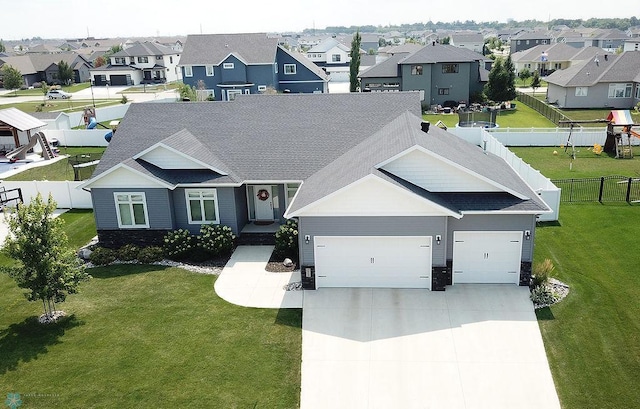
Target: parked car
58 93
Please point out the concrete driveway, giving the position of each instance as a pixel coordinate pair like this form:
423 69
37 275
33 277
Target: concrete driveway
472 346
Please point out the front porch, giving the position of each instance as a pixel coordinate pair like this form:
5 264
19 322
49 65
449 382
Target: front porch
258 233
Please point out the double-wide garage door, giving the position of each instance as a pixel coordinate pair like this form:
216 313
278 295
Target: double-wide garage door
373 261
487 257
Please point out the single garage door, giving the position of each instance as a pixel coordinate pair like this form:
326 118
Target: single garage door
118 79
379 261
487 257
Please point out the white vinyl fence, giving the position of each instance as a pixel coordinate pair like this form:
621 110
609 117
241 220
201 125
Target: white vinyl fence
102 114
65 193
78 137
552 136
540 184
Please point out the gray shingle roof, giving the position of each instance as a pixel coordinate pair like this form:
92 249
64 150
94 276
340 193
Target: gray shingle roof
616 68
462 38
255 48
438 53
143 49
306 63
399 135
263 137
533 35
556 52
327 45
387 68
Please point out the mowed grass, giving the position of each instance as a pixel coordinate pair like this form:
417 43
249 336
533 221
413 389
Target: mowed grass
38 91
521 117
59 105
149 337
586 164
59 170
592 338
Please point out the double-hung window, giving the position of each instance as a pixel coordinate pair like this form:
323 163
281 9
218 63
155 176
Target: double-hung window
289 69
188 71
209 70
202 206
131 209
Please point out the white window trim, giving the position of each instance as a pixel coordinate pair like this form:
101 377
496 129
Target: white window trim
262 88
620 86
144 206
582 91
209 73
188 71
288 198
228 66
295 69
215 203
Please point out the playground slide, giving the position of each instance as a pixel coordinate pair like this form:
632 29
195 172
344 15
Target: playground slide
634 133
21 151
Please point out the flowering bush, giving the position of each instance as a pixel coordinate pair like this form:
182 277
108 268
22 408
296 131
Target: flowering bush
215 240
179 244
151 254
287 240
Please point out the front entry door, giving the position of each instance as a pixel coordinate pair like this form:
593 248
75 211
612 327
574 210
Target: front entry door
264 202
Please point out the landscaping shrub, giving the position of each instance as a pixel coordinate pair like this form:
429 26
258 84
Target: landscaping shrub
287 240
124 99
215 240
179 244
151 254
543 295
128 252
101 256
542 272
37 85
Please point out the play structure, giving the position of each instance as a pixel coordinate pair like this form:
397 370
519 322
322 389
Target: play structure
21 151
19 134
620 133
89 117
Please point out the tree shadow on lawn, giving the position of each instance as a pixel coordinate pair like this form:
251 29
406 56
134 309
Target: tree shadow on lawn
29 339
120 270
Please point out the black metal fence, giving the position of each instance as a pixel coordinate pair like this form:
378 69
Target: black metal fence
551 113
602 189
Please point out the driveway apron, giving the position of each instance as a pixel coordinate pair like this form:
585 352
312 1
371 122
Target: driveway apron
472 346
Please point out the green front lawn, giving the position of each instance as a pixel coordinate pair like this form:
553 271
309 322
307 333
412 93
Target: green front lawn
586 164
152 337
592 337
59 170
38 91
60 105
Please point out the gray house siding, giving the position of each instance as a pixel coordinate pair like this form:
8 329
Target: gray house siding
597 97
158 208
242 215
457 84
371 226
500 222
418 82
227 211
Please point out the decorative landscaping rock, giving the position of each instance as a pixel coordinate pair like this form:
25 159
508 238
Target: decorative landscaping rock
84 253
51 318
287 262
296 286
559 290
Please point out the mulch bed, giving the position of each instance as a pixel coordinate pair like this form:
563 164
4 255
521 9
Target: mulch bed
275 265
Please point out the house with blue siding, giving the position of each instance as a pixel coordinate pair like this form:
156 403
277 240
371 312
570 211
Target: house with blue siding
381 198
222 66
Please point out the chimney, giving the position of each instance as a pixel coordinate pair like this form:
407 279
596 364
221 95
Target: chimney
425 126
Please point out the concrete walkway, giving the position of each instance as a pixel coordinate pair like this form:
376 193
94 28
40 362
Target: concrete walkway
245 282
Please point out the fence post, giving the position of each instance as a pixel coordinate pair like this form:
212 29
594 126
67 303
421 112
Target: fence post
601 188
629 189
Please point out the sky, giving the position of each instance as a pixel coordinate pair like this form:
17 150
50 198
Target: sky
129 18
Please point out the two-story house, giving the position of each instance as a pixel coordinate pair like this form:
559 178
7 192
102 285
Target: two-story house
332 56
470 41
440 72
140 63
546 59
225 65
526 40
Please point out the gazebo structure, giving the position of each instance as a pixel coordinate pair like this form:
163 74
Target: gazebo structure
16 136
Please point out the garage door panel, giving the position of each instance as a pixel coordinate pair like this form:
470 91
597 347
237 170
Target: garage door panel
389 262
487 257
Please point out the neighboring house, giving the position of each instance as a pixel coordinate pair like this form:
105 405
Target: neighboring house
609 81
390 50
526 40
607 39
381 199
333 57
548 58
226 65
632 44
44 67
139 63
470 41
440 72
369 42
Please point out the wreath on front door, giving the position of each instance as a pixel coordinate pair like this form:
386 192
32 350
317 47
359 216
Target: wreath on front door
263 194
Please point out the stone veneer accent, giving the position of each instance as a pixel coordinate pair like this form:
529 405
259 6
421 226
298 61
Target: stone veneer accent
140 237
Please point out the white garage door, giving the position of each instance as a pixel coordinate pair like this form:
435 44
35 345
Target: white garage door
487 257
380 261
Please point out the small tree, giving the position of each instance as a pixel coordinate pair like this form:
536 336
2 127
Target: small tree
535 81
65 72
187 92
524 75
47 267
12 78
2 47
510 92
99 62
445 40
354 65
44 88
